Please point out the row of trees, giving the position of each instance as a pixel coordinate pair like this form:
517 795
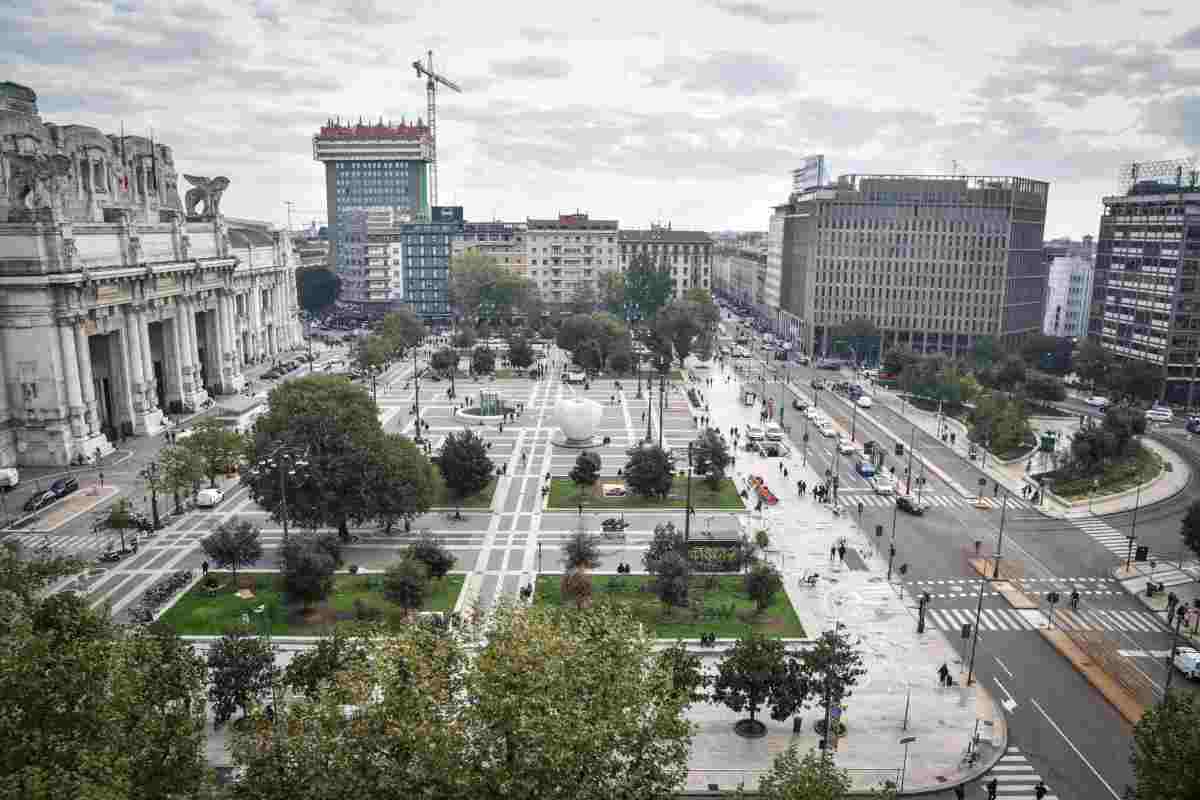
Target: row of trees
650 470
394 334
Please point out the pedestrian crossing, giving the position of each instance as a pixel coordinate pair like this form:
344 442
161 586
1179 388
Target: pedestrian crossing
1016 777
61 544
850 498
1105 535
943 588
1011 619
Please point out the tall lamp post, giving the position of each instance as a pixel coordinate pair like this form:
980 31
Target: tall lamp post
687 514
417 396
285 460
150 474
1133 528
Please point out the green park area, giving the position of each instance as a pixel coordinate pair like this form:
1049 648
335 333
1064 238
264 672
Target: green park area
445 499
718 604
565 494
1139 466
208 612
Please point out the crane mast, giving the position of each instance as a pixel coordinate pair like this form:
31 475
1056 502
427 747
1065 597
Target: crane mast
432 79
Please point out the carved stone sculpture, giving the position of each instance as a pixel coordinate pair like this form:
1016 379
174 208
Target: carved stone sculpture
36 181
207 191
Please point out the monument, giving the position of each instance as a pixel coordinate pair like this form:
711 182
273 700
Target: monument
577 419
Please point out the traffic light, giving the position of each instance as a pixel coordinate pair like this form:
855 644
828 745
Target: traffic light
1142 553
966 630
899 448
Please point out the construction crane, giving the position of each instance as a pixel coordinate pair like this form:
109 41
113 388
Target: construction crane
431 82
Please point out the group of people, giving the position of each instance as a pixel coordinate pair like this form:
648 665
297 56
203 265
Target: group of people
821 493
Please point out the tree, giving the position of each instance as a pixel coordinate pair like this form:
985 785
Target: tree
620 360
612 292
679 324
180 471
464 338
402 329
580 551
1011 372
1137 380
1044 388
898 360
748 675
1166 750
314 671
833 666
1093 364
318 289
483 361
812 776
763 582
404 483
710 456
984 352
217 447
576 586
465 466
672 575
650 471
687 672
373 352
234 543
430 551
576 330
120 517
241 670
406 583
553 704
520 352
586 471
1190 527
583 301
646 288
667 538
444 361
308 565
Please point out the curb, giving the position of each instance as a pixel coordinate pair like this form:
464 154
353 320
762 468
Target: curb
982 768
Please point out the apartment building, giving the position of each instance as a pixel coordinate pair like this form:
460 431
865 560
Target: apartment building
686 255
503 241
571 251
1146 289
935 261
1069 287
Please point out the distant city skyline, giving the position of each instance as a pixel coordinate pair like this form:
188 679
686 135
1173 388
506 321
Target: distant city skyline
694 113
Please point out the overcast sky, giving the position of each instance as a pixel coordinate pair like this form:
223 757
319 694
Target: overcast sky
689 112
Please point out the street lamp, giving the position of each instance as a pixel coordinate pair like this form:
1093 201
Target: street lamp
417 396
687 515
284 459
1133 528
906 741
150 475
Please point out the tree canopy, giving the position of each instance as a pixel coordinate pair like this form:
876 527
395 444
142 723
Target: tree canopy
650 471
464 464
232 544
646 289
1166 749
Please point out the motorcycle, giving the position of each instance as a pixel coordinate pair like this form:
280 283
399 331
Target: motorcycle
615 524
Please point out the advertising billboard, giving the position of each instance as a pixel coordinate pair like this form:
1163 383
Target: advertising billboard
810 174
447 213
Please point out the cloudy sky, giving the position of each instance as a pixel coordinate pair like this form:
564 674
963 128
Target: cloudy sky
693 112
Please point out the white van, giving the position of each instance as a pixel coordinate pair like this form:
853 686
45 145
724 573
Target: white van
1160 414
207 498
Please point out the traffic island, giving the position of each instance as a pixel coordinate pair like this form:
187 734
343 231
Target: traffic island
612 493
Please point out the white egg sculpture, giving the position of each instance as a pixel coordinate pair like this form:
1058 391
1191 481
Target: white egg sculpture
577 418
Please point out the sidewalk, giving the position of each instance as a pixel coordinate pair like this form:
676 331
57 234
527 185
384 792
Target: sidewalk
901 664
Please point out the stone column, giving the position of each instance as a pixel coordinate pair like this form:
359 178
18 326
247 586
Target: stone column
186 349
256 326
131 355
143 327
70 362
83 353
173 360
8 443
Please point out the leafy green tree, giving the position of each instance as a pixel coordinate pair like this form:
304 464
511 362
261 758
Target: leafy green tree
180 471
680 324
23 580
1137 380
671 579
218 448
314 671
1044 388
374 352
646 289
576 586
465 465
444 361
318 289
1010 372
580 551
464 338
431 551
584 300
898 361
687 672
406 583
710 456
575 330
612 292
404 483
833 666
748 676
650 471
520 352
586 471
308 564
241 669
1190 527
483 361
234 543
763 582
812 776
620 360
1093 364
667 538
984 352
1166 749
120 517
403 329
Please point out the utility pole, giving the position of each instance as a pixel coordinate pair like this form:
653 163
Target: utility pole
687 511
912 433
1179 615
983 581
1000 540
1133 529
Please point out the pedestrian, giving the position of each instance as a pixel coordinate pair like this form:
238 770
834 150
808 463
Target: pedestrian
992 787
832 552
785 472
204 569
959 792
1075 599
943 673
842 552
1039 791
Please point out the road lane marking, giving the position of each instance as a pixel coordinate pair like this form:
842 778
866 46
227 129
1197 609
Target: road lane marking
1076 749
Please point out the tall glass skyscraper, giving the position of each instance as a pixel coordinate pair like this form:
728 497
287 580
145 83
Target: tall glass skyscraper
376 176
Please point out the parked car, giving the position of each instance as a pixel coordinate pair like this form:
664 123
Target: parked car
817 383
1160 414
883 485
864 401
773 432
9 477
906 502
38 501
865 468
207 498
845 446
772 449
64 486
813 413
1187 661
1097 402
754 433
826 429
1193 425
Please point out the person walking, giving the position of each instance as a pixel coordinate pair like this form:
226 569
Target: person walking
1075 599
832 552
842 552
959 792
1039 791
993 786
943 673
204 569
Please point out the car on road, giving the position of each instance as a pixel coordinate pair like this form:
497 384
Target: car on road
64 486
207 498
1187 661
754 433
773 432
864 401
845 446
772 449
865 468
799 403
906 502
818 383
883 485
38 501
1160 414
813 413
1096 401
826 429
1193 425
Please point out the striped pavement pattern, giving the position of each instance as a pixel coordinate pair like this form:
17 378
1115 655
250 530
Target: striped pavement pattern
1106 535
1015 777
851 499
1007 619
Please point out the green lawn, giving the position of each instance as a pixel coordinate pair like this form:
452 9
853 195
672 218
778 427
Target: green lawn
482 500
779 619
200 613
1139 467
564 494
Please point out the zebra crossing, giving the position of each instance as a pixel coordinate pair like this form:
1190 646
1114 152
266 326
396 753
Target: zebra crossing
1016 777
945 588
1010 619
60 544
851 498
1105 535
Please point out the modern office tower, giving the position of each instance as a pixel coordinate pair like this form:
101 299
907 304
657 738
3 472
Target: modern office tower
686 255
371 171
503 241
569 252
934 261
1145 293
416 259
1069 287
